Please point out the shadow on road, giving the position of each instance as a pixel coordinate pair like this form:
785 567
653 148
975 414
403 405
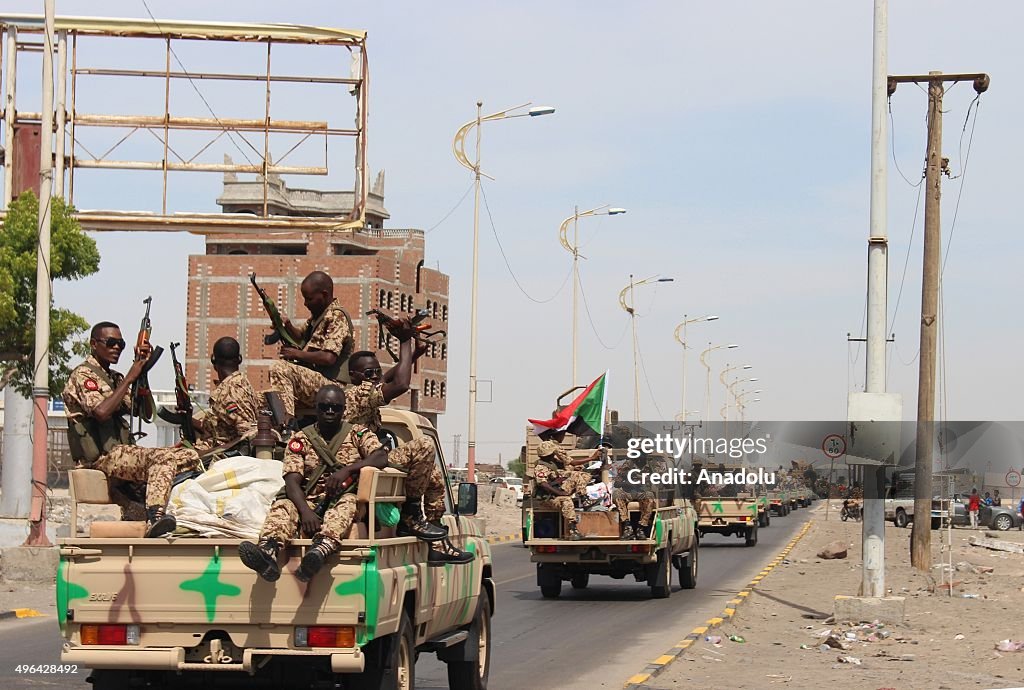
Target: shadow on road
790 604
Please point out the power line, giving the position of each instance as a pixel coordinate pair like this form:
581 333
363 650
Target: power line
643 368
447 215
976 104
892 139
512 273
590 319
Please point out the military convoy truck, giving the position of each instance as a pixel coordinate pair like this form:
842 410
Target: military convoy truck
185 612
729 515
673 542
778 501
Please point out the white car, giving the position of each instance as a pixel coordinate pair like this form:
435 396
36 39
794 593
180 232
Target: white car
514 483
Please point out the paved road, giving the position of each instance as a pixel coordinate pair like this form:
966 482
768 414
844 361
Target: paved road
612 628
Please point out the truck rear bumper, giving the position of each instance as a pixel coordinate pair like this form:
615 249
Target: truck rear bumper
173 659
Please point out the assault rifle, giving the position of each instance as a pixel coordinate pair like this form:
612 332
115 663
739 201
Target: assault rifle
184 400
280 334
423 332
143 405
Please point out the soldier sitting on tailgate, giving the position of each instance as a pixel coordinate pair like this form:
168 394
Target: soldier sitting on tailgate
559 485
626 491
327 343
321 465
97 400
424 487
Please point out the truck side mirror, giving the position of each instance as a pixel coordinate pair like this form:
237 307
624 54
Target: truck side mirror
467 499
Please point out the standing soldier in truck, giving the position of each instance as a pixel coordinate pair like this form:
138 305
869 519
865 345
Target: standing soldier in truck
97 401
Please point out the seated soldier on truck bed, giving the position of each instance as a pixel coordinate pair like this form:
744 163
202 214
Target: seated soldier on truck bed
626 491
318 464
559 484
98 401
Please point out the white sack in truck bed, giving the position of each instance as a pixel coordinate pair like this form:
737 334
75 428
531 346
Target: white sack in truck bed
229 500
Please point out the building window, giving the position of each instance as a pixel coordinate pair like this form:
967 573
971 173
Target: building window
434 314
403 302
382 300
444 350
391 300
419 267
444 313
238 252
428 306
444 389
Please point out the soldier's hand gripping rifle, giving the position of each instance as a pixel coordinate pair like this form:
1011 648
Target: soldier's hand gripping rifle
183 399
143 405
281 332
393 325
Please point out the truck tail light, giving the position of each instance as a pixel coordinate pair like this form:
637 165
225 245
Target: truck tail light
636 548
110 634
744 518
325 636
547 549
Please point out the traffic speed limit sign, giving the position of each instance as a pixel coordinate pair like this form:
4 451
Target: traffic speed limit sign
1013 478
834 446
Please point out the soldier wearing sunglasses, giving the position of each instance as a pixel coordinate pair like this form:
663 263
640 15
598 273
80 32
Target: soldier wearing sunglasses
424 487
98 403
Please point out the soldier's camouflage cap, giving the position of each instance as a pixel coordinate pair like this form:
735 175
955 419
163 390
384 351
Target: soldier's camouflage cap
547 448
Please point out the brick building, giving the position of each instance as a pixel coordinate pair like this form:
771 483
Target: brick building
375 267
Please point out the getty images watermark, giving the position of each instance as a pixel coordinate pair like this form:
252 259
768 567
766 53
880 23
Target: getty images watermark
688 447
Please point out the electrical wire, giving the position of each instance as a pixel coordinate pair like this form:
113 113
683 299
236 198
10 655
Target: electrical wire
509 266
590 319
448 215
198 92
650 390
976 104
892 139
906 261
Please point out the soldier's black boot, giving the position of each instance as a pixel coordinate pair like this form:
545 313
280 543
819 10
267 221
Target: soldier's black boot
314 559
159 522
444 551
414 523
627 532
261 557
574 533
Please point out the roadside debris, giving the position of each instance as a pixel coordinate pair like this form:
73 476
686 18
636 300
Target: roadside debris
833 550
849 660
713 639
995 545
736 638
1010 646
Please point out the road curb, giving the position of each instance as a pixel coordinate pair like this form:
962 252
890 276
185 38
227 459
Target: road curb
657 667
504 538
20 613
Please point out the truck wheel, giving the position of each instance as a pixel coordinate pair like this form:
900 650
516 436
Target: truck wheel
751 536
660 577
688 571
471 670
550 581
580 580
398 670
901 519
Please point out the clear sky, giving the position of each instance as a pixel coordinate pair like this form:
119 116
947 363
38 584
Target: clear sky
737 135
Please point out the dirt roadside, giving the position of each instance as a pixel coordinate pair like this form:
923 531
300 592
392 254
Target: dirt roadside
946 642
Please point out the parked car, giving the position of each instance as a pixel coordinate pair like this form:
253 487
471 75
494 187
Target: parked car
1001 518
514 483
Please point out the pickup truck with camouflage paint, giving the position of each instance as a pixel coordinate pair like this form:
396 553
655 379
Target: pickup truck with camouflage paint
778 501
729 515
673 541
185 612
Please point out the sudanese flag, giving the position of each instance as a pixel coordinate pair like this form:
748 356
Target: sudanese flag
584 415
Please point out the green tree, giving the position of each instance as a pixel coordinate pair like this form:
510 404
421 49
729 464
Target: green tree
73 255
517 467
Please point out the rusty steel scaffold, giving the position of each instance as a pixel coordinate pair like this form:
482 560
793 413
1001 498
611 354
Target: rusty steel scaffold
23 33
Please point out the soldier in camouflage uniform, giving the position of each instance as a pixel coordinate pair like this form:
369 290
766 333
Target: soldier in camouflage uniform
321 460
626 491
549 451
97 401
424 487
327 343
561 483
233 408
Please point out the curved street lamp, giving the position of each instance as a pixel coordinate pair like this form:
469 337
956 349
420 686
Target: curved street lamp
680 335
628 308
459 150
707 386
574 249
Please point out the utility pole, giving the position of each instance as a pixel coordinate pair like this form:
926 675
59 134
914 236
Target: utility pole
456 442
935 167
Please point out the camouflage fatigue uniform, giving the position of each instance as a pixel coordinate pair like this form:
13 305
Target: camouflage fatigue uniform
84 392
573 481
542 473
298 384
232 414
283 519
417 458
625 491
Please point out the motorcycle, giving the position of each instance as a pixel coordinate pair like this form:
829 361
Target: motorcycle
851 509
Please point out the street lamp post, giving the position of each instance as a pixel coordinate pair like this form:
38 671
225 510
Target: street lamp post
628 307
459 149
574 249
721 379
680 336
707 386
